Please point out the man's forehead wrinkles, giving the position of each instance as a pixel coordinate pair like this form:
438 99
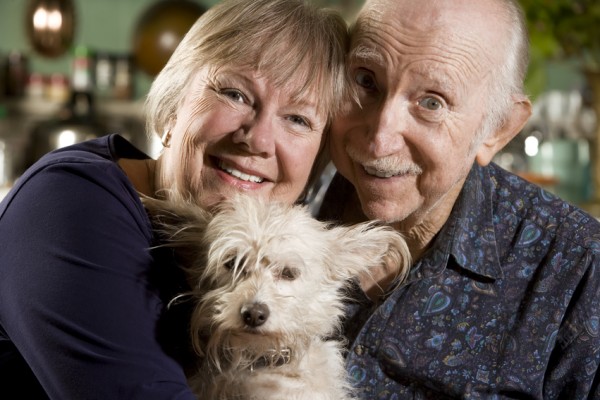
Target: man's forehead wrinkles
367 54
373 44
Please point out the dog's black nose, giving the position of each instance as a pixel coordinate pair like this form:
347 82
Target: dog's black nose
255 314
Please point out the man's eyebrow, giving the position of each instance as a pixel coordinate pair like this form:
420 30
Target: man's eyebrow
366 54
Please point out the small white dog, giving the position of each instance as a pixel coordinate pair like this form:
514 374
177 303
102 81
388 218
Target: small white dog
268 280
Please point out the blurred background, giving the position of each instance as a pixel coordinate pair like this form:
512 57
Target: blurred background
74 69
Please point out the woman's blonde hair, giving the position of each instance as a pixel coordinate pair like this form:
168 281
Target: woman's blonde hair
290 42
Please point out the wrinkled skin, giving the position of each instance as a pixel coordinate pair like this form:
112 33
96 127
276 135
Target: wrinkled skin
422 71
236 132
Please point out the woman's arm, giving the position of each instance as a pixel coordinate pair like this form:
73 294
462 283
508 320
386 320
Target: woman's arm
75 291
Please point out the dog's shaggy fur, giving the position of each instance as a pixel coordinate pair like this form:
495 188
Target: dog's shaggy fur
268 280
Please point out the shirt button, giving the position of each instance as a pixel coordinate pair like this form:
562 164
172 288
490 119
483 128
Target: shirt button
359 350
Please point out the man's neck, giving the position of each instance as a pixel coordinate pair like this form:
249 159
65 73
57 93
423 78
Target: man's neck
420 234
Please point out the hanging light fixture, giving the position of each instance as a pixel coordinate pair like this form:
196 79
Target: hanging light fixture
160 29
50 26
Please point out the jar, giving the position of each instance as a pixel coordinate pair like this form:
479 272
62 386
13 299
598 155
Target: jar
105 75
17 74
82 75
58 88
123 77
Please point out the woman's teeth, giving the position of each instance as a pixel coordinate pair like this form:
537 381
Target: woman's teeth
240 175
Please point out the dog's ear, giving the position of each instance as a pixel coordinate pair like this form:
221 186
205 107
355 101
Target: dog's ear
369 248
178 223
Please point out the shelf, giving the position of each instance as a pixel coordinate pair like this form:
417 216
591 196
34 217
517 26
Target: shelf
41 108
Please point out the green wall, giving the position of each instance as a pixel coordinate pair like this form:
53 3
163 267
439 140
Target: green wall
102 25
107 25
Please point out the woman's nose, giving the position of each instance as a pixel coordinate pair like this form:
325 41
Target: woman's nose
257 135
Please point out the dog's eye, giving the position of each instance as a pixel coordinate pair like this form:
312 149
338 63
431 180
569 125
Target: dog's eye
289 273
230 265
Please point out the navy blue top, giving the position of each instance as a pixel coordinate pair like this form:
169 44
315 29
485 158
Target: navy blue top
81 295
505 303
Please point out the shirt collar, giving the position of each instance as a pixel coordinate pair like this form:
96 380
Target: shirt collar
469 235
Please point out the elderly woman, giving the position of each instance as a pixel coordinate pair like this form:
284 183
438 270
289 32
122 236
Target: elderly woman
242 106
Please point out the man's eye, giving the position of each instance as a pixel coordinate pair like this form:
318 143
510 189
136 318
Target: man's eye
365 79
430 103
234 95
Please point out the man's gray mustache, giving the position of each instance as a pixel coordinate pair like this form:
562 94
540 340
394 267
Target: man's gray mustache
390 165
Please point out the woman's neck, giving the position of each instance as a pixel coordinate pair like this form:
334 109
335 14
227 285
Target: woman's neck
140 173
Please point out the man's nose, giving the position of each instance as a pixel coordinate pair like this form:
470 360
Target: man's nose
258 135
387 126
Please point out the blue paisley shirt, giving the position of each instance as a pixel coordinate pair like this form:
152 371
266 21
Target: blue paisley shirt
505 304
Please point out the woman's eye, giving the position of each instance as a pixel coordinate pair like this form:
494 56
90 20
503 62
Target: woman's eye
296 119
234 95
365 79
430 103
289 274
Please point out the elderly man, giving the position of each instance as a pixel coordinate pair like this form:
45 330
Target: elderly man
502 300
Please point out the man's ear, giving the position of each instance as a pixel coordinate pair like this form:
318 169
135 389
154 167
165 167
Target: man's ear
518 116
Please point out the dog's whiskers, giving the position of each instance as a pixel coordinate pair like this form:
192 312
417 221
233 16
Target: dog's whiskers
180 298
273 358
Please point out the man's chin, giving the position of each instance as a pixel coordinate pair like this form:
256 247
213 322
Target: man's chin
387 211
